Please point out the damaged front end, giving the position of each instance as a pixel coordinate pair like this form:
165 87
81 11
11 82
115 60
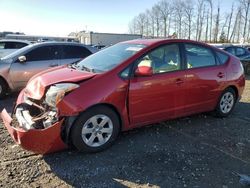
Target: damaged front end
37 125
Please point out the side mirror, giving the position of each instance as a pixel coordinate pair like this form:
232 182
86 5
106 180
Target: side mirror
144 71
22 59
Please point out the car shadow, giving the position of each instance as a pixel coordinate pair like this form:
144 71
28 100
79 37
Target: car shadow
8 102
189 151
247 77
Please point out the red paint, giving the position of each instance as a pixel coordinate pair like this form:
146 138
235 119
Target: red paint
138 100
36 86
39 140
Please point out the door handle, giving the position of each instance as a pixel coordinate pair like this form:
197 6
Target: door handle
53 65
179 81
221 75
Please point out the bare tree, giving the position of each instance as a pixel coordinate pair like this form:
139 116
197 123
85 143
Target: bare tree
164 8
236 23
181 16
207 20
230 22
211 18
178 12
246 5
217 23
189 14
156 12
151 22
199 18
141 19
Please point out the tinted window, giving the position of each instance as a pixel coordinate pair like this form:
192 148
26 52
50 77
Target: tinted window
230 50
222 57
44 53
14 45
240 51
162 59
198 56
71 52
2 45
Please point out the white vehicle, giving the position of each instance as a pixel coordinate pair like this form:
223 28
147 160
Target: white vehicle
9 46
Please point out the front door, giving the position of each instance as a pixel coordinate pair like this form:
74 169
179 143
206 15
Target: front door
162 95
37 60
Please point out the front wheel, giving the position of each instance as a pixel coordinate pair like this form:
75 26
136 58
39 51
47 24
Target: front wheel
226 103
95 129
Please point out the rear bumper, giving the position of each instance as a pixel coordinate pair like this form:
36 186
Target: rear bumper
40 141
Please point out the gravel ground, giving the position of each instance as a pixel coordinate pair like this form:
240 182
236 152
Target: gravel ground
196 151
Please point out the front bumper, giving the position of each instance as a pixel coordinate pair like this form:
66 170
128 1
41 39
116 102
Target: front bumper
40 141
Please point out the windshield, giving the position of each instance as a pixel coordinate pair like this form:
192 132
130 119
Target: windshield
108 58
17 52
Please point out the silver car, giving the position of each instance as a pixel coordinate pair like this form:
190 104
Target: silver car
8 46
18 67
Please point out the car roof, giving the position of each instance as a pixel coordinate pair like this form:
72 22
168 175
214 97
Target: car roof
149 42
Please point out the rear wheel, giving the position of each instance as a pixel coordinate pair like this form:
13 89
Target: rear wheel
226 103
95 130
3 88
248 69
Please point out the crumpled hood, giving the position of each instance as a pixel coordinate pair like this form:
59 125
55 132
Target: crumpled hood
36 86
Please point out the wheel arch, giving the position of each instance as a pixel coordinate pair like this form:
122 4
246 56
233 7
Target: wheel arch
69 121
235 90
112 107
5 81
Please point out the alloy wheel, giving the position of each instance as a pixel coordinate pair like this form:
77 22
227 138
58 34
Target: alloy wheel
97 130
227 102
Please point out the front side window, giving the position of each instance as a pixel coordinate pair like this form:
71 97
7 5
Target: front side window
198 56
44 53
163 59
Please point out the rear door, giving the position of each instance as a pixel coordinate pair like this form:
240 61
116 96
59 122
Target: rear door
37 60
73 53
205 78
162 95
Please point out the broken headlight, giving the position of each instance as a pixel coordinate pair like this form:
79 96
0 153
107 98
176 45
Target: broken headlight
56 92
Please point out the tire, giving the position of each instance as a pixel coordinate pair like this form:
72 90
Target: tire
95 130
226 103
3 88
248 69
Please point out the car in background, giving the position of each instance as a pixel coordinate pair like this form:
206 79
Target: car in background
18 67
9 46
122 87
243 54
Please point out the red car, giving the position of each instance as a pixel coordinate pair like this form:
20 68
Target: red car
128 85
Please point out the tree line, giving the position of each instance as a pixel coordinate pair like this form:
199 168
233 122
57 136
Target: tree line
200 20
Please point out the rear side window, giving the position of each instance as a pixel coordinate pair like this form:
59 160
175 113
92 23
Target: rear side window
222 57
240 51
12 45
44 53
2 45
198 56
71 52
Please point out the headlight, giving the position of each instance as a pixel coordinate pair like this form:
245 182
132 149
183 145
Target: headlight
56 92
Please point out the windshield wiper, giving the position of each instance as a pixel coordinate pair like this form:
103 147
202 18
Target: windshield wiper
86 69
